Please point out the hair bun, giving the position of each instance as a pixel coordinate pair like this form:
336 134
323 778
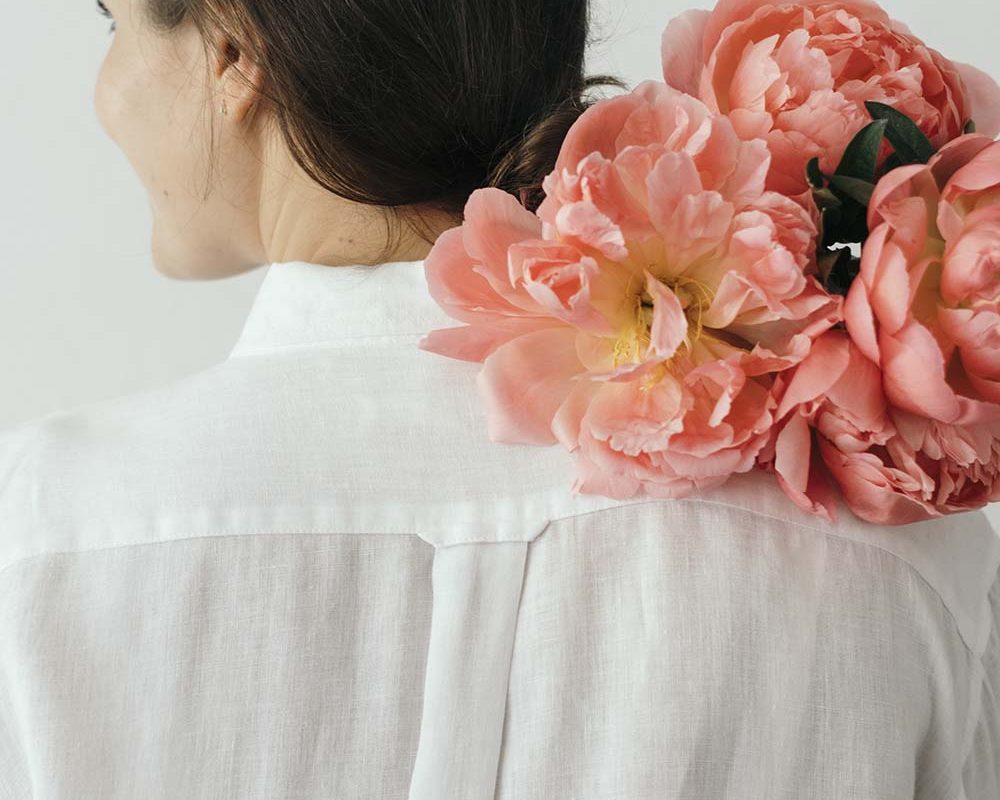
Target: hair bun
523 167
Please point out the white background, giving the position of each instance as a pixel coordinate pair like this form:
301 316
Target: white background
84 315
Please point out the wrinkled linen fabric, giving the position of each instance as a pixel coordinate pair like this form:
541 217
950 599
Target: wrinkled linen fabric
306 572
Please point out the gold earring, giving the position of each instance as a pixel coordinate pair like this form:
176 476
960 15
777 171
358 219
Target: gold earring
225 110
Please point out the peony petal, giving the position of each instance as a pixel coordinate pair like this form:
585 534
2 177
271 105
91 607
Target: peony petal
754 76
563 283
869 491
728 12
793 454
747 181
452 280
914 373
673 178
979 174
858 393
583 225
807 67
984 98
884 269
476 342
568 417
860 321
634 420
670 324
977 336
681 50
955 155
494 220
800 470
971 261
597 130
524 382
820 370
895 185
603 472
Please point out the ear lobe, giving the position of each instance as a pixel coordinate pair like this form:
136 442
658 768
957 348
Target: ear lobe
245 91
244 82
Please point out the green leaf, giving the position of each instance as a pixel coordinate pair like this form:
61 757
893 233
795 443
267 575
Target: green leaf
814 174
826 260
970 127
892 162
842 267
829 222
861 156
858 190
853 224
903 133
826 199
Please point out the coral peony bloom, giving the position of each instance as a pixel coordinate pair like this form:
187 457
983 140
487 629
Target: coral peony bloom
836 428
639 316
798 75
926 305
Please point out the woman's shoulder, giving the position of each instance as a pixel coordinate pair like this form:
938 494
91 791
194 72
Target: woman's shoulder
956 557
68 474
256 448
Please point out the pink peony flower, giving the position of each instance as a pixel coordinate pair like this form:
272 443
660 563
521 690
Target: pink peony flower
639 317
926 304
836 429
798 74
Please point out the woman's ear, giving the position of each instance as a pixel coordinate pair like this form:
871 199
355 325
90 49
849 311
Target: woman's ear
239 79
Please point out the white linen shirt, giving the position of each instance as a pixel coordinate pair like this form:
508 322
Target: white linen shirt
306 572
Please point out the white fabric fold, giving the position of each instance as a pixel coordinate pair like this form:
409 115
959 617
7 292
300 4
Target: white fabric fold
477 590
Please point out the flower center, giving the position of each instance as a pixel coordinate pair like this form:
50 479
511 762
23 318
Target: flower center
694 296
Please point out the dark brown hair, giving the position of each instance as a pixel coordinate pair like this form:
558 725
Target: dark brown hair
412 104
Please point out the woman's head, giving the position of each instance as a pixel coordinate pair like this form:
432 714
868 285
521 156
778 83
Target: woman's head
355 129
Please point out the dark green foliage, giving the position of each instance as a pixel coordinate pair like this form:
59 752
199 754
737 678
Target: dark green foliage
861 156
909 142
843 198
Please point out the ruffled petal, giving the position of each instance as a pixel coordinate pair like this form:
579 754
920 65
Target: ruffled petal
984 99
681 50
870 489
914 373
524 382
476 342
670 324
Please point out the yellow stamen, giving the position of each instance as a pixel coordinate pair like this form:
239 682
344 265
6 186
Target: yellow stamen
695 297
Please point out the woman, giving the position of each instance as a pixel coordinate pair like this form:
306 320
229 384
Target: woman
306 571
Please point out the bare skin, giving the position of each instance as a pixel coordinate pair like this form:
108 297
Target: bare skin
159 101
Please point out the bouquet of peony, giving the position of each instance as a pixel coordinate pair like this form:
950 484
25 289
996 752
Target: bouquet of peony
783 256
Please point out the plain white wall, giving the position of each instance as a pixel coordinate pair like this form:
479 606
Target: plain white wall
84 316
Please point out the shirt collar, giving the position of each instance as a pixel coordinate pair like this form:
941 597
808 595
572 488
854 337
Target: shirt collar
300 303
